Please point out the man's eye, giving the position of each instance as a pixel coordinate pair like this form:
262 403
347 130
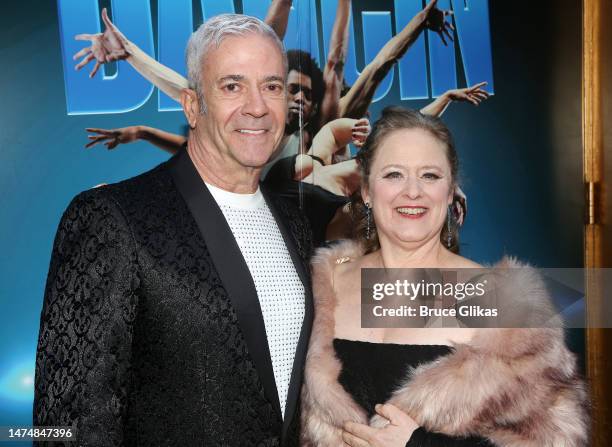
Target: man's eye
231 87
274 88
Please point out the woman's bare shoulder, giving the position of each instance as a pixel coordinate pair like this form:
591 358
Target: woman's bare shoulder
458 261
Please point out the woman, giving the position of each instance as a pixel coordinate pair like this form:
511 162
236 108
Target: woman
443 386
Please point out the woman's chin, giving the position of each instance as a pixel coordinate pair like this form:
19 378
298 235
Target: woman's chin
413 240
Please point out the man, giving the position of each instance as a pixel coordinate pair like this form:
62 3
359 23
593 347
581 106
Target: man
178 307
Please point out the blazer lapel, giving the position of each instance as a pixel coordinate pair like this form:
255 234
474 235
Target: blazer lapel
295 385
230 265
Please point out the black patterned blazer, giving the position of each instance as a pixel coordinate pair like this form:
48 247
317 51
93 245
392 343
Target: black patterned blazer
151 331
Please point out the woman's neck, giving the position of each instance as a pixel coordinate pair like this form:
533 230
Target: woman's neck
431 254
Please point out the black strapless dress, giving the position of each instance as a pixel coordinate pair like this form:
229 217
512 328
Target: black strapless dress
372 371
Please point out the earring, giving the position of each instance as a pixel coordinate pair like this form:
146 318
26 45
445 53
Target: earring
449 234
368 219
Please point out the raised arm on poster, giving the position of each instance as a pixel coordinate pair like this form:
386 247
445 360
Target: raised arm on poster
474 94
112 45
332 137
336 134
356 102
278 16
333 73
111 138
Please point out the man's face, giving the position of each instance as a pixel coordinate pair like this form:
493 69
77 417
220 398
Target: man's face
299 96
243 85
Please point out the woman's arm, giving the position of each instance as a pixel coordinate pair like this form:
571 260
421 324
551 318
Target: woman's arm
333 74
356 102
112 45
167 141
474 94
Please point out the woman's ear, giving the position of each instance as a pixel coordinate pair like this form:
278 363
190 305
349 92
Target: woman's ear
191 106
365 194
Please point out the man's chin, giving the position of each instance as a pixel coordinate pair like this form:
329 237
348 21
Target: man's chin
257 159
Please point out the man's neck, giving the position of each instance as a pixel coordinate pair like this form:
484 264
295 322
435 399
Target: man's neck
219 171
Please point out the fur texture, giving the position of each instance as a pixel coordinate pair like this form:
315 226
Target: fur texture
517 387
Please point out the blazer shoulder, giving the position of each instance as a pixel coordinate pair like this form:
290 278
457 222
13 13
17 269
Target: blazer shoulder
155 185
147 191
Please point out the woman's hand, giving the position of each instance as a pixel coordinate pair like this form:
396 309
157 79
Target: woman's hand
109 46
360 131
435 20
396 432
112 137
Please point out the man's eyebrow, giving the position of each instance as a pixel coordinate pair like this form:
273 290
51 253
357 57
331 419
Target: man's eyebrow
231 78
238 78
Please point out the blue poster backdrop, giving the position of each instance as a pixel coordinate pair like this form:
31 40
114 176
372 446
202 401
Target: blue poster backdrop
508 145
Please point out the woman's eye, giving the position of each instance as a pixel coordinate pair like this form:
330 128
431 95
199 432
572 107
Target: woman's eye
393 175
431 176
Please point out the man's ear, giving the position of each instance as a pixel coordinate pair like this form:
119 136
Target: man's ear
191 106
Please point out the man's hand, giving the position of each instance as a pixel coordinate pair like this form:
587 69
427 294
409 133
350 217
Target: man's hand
474 94
109 46
397 432
360 132
435 20
112 137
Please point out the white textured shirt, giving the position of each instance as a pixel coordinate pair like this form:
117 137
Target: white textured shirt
279 288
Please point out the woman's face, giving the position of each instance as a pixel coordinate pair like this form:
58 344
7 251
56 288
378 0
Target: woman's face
409 187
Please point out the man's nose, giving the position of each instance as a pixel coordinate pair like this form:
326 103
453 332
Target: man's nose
255 104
